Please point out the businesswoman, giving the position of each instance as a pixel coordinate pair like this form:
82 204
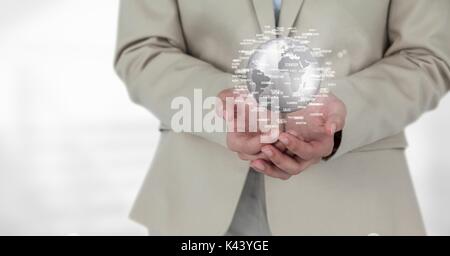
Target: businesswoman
356 183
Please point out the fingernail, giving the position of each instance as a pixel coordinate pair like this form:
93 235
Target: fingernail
284 140
268 152
333 129
258 166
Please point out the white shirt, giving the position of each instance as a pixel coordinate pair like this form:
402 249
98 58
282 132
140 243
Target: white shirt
277 8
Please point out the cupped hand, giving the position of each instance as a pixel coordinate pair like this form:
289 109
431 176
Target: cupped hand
310 137
244 136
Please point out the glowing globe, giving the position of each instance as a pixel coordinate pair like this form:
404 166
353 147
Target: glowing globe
286 70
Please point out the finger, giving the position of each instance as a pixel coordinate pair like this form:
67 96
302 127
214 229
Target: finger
270 137
334 123
324 147
335 116
282 161
243 143
299 147
280 146
269 170
247 157
308 150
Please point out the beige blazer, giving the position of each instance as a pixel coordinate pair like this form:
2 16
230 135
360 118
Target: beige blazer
395 69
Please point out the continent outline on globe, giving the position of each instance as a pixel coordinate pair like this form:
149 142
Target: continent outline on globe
284 68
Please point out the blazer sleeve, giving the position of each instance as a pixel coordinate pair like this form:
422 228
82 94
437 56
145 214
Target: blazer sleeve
152 61
414 74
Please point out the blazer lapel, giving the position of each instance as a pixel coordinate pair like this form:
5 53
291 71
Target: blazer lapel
265 13
290 10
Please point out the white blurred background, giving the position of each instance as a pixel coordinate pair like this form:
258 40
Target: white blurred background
74 150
